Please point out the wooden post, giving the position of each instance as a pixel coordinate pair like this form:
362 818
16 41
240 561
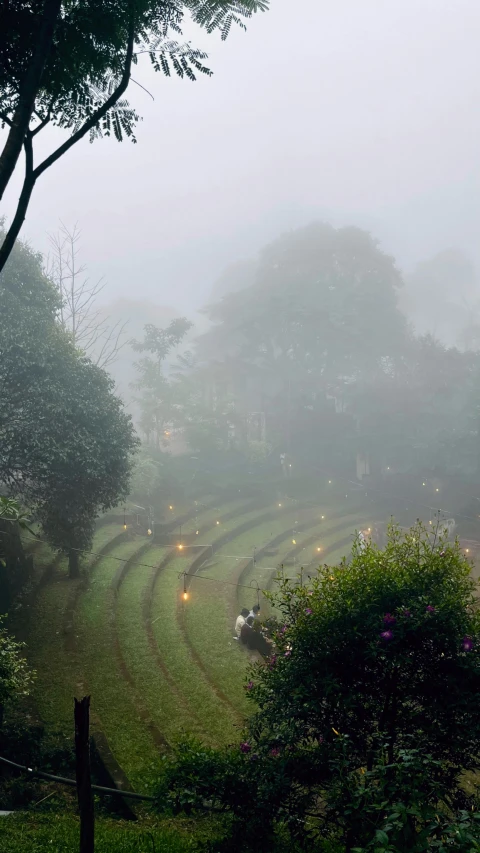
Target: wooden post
84 784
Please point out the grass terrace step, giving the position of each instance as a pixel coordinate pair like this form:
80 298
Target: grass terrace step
114 701
207 617
155 676
44 632
322 534
217 719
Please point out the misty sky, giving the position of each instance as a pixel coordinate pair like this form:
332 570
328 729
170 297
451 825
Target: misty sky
356 111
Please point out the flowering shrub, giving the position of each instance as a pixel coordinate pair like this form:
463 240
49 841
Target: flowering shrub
374 674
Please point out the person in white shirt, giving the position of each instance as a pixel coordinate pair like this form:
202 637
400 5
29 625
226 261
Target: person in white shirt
240 622
255 612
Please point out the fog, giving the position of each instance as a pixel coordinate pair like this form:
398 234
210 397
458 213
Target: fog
353 113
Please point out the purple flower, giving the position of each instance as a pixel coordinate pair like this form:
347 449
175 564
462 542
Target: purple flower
250 685
308 611
467 644
388 619
245 748
275 752
407 614
430 609
273 661
283 630
387 635
254 756
288 653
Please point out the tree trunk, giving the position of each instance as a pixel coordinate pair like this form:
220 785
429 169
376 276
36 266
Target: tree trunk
73 564
28 93
84 783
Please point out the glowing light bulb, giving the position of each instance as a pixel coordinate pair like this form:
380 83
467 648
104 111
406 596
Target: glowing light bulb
170 507
368 529
197 532
294 541
180 547
218 522
124 526
323 517
319 549
329 482
437 490
149 532
424 484
467 550
388 469
279 504
185 596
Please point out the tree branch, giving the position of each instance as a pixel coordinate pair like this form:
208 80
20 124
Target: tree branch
22 206
28 93
98 114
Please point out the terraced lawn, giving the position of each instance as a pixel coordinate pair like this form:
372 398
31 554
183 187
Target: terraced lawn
208 617
114 700
158 674
216 719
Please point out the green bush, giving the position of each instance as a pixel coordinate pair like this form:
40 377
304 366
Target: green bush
368 708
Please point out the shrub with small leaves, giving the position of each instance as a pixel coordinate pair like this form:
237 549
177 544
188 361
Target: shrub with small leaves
377 669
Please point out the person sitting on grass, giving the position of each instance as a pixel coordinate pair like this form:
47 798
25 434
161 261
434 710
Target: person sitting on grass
246 632
240 621
255 640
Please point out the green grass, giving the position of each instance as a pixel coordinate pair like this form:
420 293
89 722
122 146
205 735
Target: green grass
59 833
217 718
57 672
208 614
168 711
113 699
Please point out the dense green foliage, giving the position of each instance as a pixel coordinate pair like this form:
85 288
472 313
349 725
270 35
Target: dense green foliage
15 677
367 714
66 442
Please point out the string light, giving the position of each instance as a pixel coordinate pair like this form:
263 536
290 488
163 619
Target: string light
170 507
323 517
197 532
319 549
279 504
185 591
424 484
180 547
218 522
124 519
149 532
329 482
294 541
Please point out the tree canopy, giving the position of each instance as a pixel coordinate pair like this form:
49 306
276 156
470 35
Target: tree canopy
69 64
320 316
66 443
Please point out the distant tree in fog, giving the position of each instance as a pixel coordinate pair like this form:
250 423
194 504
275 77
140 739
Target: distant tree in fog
89 329
70 64
439 295
321 313
158 399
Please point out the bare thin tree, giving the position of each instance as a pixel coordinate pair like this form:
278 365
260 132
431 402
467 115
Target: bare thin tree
90 330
